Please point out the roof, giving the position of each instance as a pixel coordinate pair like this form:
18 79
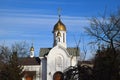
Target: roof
72 51
59 26
44 51
29 61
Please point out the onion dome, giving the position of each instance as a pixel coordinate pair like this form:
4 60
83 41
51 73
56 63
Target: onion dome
32 48
59 26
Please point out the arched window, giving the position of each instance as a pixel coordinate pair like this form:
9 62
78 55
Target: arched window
59 63
59 39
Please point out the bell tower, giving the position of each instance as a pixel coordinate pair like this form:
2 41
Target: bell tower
59 34
32 51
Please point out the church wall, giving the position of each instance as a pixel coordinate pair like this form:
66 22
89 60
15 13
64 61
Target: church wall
44 68
74 61
57 60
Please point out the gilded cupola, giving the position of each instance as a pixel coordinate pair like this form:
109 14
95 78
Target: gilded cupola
59 33
59 26
32 48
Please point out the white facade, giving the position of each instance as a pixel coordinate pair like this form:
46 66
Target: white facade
58 58
51 60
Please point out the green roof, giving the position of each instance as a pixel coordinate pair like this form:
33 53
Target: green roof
72 51
44 51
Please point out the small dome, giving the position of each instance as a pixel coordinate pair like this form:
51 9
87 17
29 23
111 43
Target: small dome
59 26
32 48
58 34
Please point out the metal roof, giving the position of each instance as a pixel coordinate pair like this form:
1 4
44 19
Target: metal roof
72 51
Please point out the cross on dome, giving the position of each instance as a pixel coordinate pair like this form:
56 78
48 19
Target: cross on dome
59 11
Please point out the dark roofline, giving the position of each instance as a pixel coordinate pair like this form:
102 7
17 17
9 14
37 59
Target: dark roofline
86 62
29 61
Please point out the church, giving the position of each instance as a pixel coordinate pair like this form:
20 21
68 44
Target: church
51 62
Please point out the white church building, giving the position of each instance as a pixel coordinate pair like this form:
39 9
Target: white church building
52 62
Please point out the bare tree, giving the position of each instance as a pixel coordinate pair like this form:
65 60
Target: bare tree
106 30
22 48
4 56
9 60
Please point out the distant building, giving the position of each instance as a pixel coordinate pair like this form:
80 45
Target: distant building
31 68
52 61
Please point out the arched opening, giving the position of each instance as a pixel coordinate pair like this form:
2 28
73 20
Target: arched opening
58 76
59 63
29 78
28 75
63 37
59 39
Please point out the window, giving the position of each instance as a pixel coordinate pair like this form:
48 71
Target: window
63 37
59 63
59 39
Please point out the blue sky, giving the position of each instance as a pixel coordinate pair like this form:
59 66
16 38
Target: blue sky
33 20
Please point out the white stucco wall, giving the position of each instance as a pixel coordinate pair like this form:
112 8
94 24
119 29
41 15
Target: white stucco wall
73 61
58 59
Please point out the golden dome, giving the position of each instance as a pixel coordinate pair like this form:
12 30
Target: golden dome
59 26
32 48
58 34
